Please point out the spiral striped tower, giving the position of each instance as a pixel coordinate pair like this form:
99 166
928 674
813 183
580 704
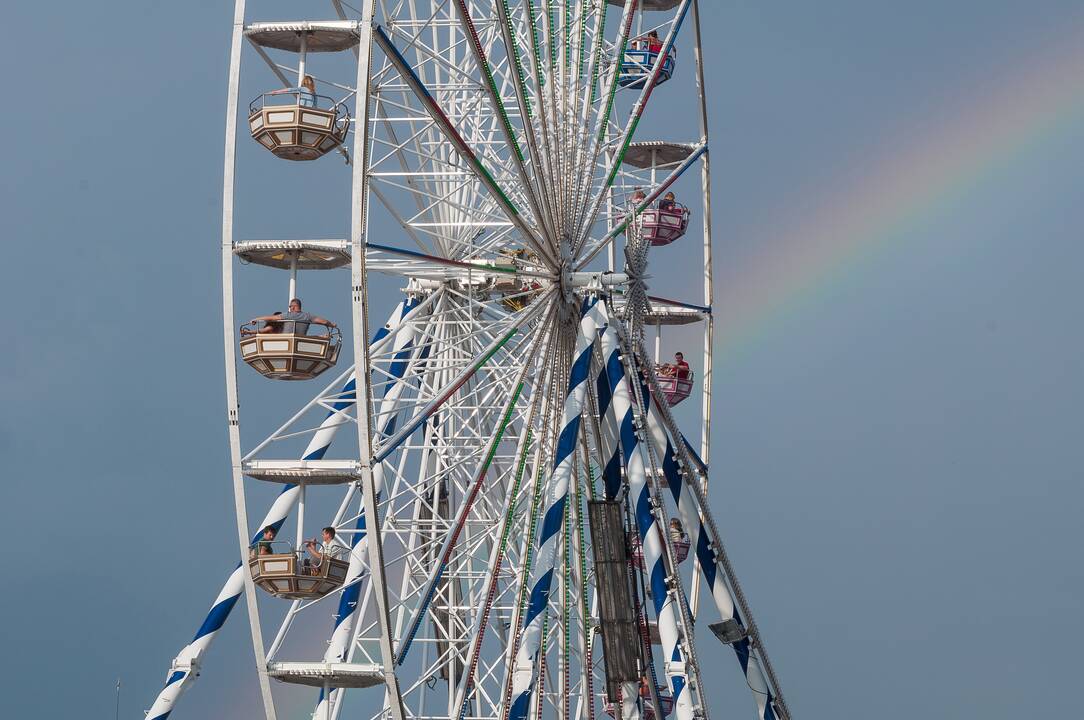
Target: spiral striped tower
405 354
661 576
186 666
712 562
592 319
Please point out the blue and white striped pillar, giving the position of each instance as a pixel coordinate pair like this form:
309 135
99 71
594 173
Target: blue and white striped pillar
339 646
185 667
592 319
609 383
651 535
710 567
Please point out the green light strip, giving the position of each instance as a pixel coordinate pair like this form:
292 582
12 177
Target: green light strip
598 55
515 490
518 60
614 84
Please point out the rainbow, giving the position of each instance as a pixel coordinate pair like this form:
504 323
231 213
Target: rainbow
806 254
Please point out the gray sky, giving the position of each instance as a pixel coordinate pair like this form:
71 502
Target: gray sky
897 465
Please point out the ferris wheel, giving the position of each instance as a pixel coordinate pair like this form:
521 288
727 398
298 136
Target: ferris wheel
499 509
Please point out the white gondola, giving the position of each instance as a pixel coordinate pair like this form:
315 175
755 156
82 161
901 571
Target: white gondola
288 573
296 125
293 123
289 356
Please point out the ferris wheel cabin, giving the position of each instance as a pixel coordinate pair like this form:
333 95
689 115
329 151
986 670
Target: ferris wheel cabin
288 355
640 58
284 350
294 122
636 550
663 226
287 573
638 62
296 125
664 223
675 389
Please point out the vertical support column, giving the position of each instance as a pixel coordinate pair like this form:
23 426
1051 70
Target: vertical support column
300 519
707 374
658 560
229 346
611 250
302 56
524 678
711 558
359 312
293 275
658 341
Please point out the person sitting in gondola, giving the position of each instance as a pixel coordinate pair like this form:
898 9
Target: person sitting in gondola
270 326
295 321
329 548
306 93
637 197
263 547
668 202
649 42
677 532
681 368
678 369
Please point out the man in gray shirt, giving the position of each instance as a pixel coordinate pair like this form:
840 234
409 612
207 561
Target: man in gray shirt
296 321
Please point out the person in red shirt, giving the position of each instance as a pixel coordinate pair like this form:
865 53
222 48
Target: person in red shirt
653 43
681 368
649 42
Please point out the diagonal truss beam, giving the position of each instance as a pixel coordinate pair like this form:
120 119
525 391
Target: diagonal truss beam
592 319
711 556
518 158
630 126
445 124
449 543
528 314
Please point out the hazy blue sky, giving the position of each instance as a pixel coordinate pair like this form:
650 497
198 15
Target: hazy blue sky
897 203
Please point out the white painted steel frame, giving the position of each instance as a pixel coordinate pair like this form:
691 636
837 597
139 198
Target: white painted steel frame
229 345
359 198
